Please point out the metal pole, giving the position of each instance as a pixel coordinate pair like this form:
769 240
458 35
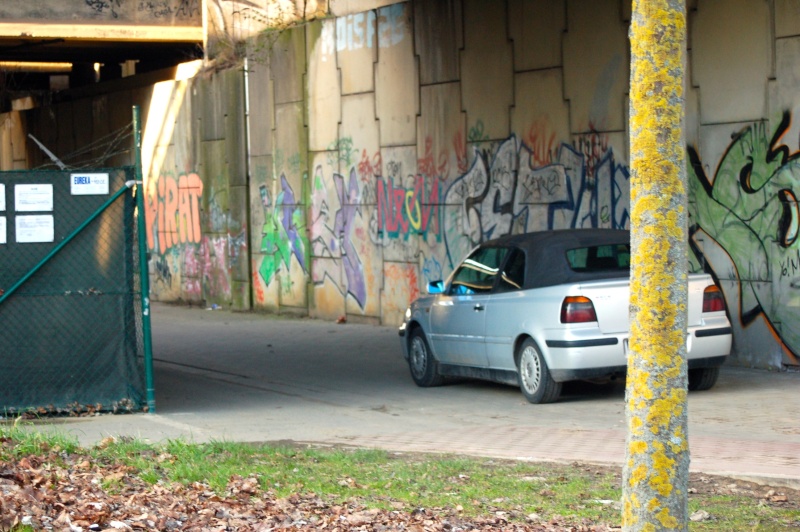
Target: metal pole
143 269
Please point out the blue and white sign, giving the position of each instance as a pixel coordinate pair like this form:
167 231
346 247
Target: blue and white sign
88 184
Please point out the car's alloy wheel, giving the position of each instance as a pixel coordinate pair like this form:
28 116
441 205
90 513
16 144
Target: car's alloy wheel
530 369
424 368
534 376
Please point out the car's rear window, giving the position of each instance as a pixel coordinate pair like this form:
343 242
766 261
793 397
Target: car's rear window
607 257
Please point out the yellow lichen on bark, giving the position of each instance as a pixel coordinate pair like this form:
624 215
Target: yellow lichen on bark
637 447
666 408
629 507
656 465
678 442
660 476
666 518
635 426
638 475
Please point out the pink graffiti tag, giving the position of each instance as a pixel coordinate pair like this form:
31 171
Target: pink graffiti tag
427 164
369 169
543 144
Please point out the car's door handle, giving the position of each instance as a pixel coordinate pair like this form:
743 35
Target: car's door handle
478 307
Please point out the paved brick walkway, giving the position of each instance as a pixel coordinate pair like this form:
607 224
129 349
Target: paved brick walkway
741 458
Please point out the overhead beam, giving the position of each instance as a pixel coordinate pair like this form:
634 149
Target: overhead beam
102 32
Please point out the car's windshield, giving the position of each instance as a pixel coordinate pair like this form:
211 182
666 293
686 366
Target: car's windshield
600 258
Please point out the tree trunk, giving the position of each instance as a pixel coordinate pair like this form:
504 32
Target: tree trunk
656 470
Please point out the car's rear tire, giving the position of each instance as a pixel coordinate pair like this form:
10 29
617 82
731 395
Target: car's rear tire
703 378
424 368
535 381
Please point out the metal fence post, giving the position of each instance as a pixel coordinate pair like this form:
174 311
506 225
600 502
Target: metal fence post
143 267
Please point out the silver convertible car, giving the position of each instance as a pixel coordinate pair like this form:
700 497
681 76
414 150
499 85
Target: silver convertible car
538 309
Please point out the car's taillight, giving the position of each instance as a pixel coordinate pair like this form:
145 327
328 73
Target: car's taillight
713 300
577 309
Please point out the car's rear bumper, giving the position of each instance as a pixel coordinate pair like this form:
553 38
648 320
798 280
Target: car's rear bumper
619 371
582 356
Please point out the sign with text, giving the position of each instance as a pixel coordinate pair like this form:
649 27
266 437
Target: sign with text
88 184
35 228
29 198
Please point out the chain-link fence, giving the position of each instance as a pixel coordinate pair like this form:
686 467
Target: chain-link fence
71 336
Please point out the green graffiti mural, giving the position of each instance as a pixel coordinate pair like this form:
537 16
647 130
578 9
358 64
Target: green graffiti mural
750 210
283 234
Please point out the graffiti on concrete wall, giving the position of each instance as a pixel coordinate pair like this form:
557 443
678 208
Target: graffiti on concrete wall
283 233
174 220
405 210
432 269
406 223
163 272
173 211
357 31
436 166
749 209
334 209
216 266
542 141
401 285
417 218
191 273
155 8
102 7
169 8
506 191
344 225
406 217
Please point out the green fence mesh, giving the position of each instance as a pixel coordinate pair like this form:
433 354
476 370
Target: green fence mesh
71 334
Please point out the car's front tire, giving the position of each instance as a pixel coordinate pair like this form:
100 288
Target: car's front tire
534 376
703 378
424 368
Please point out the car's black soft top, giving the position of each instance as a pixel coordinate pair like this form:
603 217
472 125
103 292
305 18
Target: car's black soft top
546 254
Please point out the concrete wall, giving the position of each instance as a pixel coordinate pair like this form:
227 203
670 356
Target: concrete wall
196 190
379 146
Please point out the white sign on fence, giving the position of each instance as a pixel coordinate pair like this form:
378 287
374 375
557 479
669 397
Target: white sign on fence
35 228
30 198
88 184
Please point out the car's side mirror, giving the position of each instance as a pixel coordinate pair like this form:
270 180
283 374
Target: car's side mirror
436 287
